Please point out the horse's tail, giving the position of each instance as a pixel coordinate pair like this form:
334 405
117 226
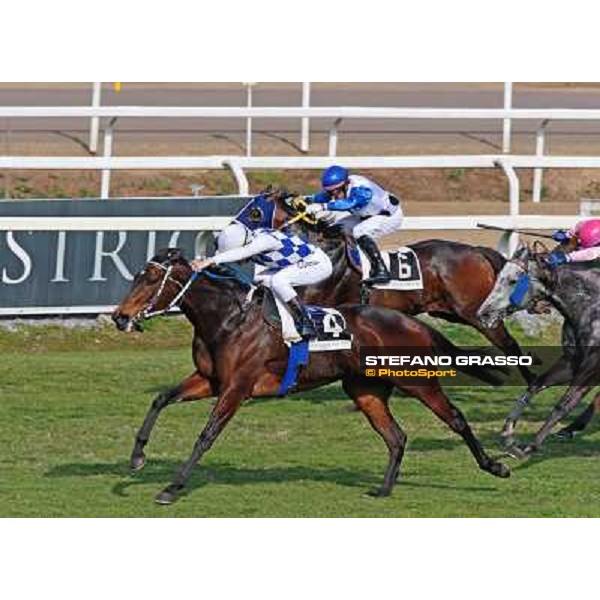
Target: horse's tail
488 374
494 258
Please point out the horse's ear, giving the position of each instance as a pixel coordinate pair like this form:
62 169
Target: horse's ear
521 253
174 254
266 191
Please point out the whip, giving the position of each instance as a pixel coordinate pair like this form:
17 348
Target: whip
509 230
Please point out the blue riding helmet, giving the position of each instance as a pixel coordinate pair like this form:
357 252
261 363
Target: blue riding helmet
334 176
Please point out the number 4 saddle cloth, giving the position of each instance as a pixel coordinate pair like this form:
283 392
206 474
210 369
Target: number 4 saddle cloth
402 264
332 331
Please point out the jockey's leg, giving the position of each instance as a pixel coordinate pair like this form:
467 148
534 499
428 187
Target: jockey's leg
379 273
311 270
366 234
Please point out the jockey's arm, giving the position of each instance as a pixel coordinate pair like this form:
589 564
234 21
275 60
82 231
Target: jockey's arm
358 198
261 243
584 255
320 197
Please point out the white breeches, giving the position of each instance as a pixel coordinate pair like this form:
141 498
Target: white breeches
313 269
373 227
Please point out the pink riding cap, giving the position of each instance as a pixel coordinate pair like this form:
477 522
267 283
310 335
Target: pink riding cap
588 233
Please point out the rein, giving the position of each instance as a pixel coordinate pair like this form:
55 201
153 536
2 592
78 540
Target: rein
148 312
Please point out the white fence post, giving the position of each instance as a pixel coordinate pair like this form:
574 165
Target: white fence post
95 121
240 176
540 140
507 122
305 138
513 199
108 144
249 85
333 138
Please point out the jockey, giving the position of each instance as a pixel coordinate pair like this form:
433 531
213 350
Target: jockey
289 262
374 212
587 235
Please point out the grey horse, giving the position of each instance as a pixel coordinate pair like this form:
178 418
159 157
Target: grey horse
574 290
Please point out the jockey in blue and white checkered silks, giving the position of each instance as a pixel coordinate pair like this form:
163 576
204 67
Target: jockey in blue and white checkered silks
288 261
374 212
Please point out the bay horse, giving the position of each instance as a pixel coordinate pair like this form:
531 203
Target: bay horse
572 289
457 277
248 358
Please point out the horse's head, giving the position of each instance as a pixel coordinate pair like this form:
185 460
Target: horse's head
153 290
272 208
520 285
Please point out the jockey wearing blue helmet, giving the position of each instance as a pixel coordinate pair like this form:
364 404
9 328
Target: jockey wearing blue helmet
334 177
374 212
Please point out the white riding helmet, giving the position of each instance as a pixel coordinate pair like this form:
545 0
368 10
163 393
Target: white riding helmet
233 236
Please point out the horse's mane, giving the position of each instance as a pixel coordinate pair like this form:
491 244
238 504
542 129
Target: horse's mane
216 273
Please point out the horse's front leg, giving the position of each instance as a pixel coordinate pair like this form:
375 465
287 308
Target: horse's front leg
227 405
194 387
559 373
567 403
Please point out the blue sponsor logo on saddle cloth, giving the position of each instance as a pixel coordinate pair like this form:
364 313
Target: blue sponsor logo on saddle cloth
332 334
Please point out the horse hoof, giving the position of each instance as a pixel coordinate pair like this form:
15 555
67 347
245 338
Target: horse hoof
499 470
525 450
378 493
137 462
565 434
167 496
516 451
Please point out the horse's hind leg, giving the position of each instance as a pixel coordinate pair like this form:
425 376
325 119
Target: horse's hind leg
371 397
193 387
566 404
581 422
434 398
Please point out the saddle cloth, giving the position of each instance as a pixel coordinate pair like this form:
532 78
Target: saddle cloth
403 266
330 324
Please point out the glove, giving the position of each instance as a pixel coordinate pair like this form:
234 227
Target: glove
561 236
315 208
556 259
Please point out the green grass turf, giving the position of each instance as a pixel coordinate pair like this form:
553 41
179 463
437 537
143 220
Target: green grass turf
71 402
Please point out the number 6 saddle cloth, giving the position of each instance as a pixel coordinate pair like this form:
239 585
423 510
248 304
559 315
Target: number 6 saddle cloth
403 265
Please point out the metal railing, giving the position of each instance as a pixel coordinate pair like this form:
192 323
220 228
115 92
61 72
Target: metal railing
107 162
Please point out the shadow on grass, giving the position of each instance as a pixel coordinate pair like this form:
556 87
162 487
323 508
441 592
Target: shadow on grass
159 472
556 448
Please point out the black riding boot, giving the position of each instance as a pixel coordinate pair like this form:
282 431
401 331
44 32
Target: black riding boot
305 326
379 272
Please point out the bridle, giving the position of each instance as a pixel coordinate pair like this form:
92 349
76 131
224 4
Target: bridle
148 311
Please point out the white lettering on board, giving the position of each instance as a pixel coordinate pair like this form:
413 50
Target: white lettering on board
22 255
100 254
59 273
